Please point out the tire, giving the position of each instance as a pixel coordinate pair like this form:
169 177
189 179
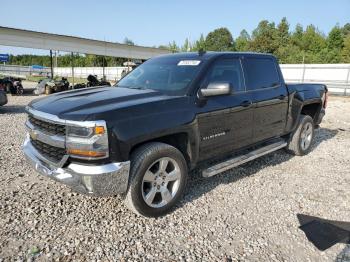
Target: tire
302 138
148 180
48 90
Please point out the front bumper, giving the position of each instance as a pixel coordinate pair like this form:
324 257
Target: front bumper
102 180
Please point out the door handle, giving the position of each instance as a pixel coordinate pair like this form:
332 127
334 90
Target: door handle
246 103
281 97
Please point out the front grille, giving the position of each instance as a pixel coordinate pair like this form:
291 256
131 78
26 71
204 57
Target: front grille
52 153
50 128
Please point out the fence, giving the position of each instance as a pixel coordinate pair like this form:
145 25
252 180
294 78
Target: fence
111 73
335 76
24 70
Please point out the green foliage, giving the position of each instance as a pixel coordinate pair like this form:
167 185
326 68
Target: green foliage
346 29
128 41
187 46
66 60
345 54
199 44
219 40
242 42
335 38
173 47
264 38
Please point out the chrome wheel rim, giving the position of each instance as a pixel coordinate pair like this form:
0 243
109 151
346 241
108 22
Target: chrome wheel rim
161 182
306 136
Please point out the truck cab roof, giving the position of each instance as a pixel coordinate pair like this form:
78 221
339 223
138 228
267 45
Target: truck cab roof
211 54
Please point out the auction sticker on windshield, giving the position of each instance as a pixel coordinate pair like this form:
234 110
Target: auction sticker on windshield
189 63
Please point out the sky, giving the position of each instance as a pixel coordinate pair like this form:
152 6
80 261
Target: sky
158 22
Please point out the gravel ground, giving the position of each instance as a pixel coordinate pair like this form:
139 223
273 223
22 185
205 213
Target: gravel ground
248 213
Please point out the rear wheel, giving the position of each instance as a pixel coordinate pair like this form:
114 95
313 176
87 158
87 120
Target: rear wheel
301 140
158 178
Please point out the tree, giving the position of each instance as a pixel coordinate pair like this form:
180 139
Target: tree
187 46
128 41
242 42
313 40
290 54
297 36
173 47
283 33
346 29
345 53
199 44
335 38
219 40
264 38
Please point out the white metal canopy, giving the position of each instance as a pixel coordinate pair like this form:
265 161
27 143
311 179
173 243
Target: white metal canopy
39 40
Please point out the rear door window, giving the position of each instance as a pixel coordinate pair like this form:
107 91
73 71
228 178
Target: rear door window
260 73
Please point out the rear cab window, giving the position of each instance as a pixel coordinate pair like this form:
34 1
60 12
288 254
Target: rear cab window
260 73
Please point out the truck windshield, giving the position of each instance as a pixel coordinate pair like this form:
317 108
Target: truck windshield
169 75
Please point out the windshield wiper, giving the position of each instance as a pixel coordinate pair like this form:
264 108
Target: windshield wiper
133 87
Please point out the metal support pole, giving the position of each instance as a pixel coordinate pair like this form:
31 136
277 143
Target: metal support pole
72 61
303 77
347 82
103 67
56 64
51 63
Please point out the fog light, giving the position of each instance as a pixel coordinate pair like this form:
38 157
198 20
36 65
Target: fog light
78 152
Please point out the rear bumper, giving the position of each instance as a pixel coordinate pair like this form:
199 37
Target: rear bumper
101 180
3 98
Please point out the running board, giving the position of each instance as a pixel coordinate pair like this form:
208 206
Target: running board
239 160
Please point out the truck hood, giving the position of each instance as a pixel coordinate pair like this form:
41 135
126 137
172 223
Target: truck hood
84 104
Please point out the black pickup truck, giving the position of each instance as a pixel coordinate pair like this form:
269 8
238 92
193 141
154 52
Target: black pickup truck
170 115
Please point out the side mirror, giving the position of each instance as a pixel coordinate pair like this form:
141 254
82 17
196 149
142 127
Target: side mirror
216 89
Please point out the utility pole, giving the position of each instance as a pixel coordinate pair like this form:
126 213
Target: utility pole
303 77
72 61
103 67
51 63
56 54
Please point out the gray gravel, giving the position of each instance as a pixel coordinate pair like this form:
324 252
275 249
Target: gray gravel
248 213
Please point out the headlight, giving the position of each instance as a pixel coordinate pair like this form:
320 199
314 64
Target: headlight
78 131
87 142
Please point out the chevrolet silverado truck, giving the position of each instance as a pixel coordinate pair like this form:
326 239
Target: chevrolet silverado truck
170 115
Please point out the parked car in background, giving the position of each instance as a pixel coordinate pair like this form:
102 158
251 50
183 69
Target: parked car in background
94 81
13 84
3 95
170 115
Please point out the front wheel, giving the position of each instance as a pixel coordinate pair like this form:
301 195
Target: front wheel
302 138
158 178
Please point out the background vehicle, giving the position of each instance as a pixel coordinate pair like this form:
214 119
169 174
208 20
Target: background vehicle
56 86
3 96
13 84
93 81
170 115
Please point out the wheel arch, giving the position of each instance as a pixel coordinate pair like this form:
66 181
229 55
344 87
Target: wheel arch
311 109
179 140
